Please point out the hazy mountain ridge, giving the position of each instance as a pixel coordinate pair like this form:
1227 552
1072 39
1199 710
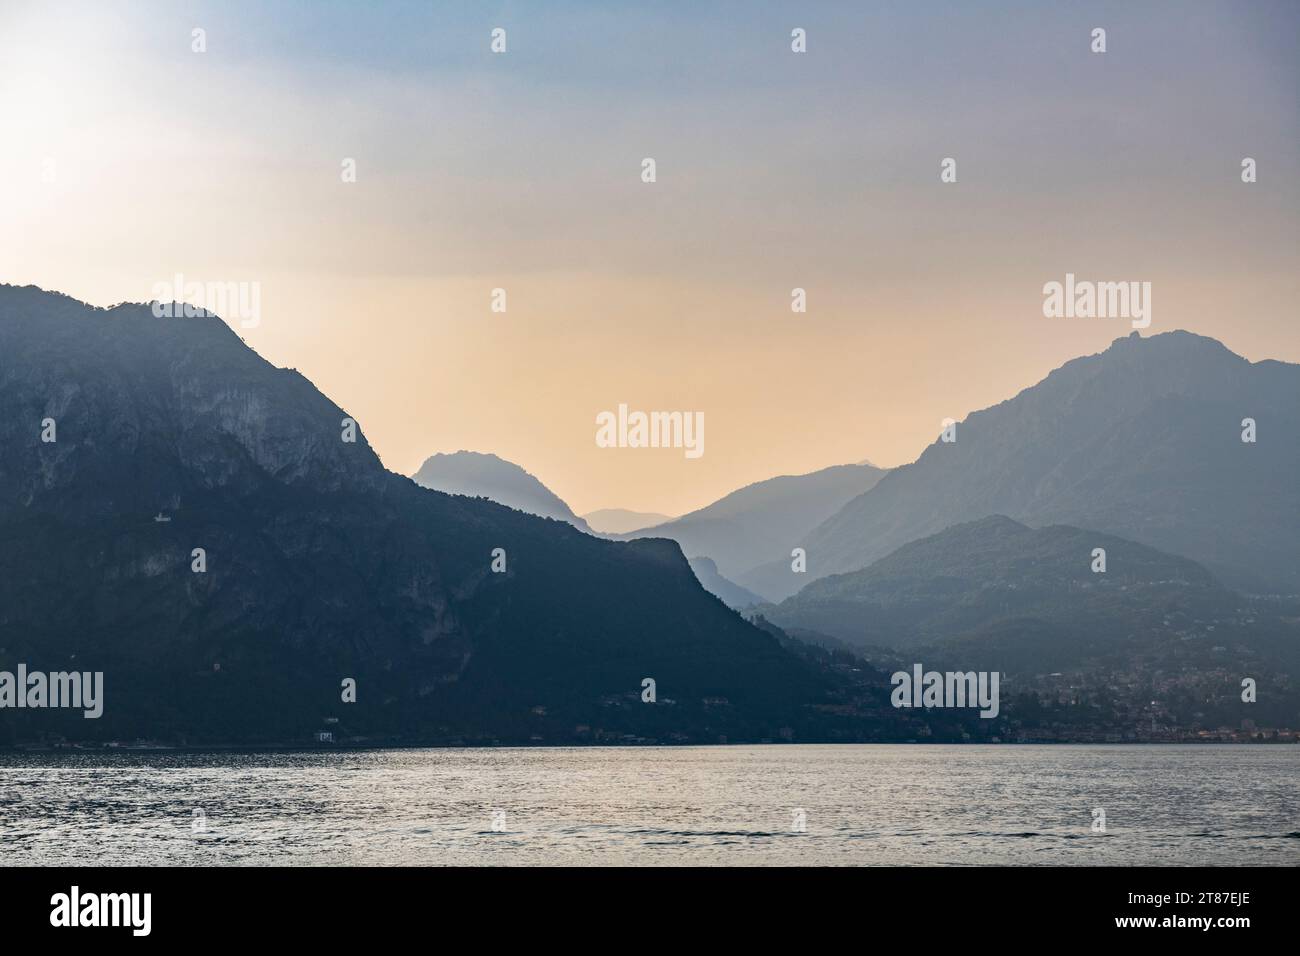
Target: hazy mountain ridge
1142 440
731 593
621 520
477 474
996 594
971 574
764 520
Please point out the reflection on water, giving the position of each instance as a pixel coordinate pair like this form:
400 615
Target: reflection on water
740 805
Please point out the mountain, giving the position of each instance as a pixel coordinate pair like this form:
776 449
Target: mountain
766 520
972 575
171 435
1142 441
621 521
995 594
475 474
732 594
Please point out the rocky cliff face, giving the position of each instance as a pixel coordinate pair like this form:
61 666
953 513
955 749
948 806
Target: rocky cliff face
320 565
160 404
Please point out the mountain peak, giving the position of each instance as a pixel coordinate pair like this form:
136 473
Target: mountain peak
1179 339
485 475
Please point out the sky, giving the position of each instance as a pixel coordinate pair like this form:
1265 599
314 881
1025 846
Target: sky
126 158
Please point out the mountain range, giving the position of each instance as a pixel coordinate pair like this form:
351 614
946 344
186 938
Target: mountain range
1143 441
132 444
766 520
477 475
958 584
760 516
218 538
995 594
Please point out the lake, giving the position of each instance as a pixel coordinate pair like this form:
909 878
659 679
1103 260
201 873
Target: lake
858 805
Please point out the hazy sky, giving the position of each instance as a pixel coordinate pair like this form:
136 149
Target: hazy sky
126 158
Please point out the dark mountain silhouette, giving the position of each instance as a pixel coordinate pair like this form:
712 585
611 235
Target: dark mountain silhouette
621 521
732 594
995 594
476 474
1142 441
766 520
321 566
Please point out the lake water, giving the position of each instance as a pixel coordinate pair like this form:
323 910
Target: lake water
657 805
